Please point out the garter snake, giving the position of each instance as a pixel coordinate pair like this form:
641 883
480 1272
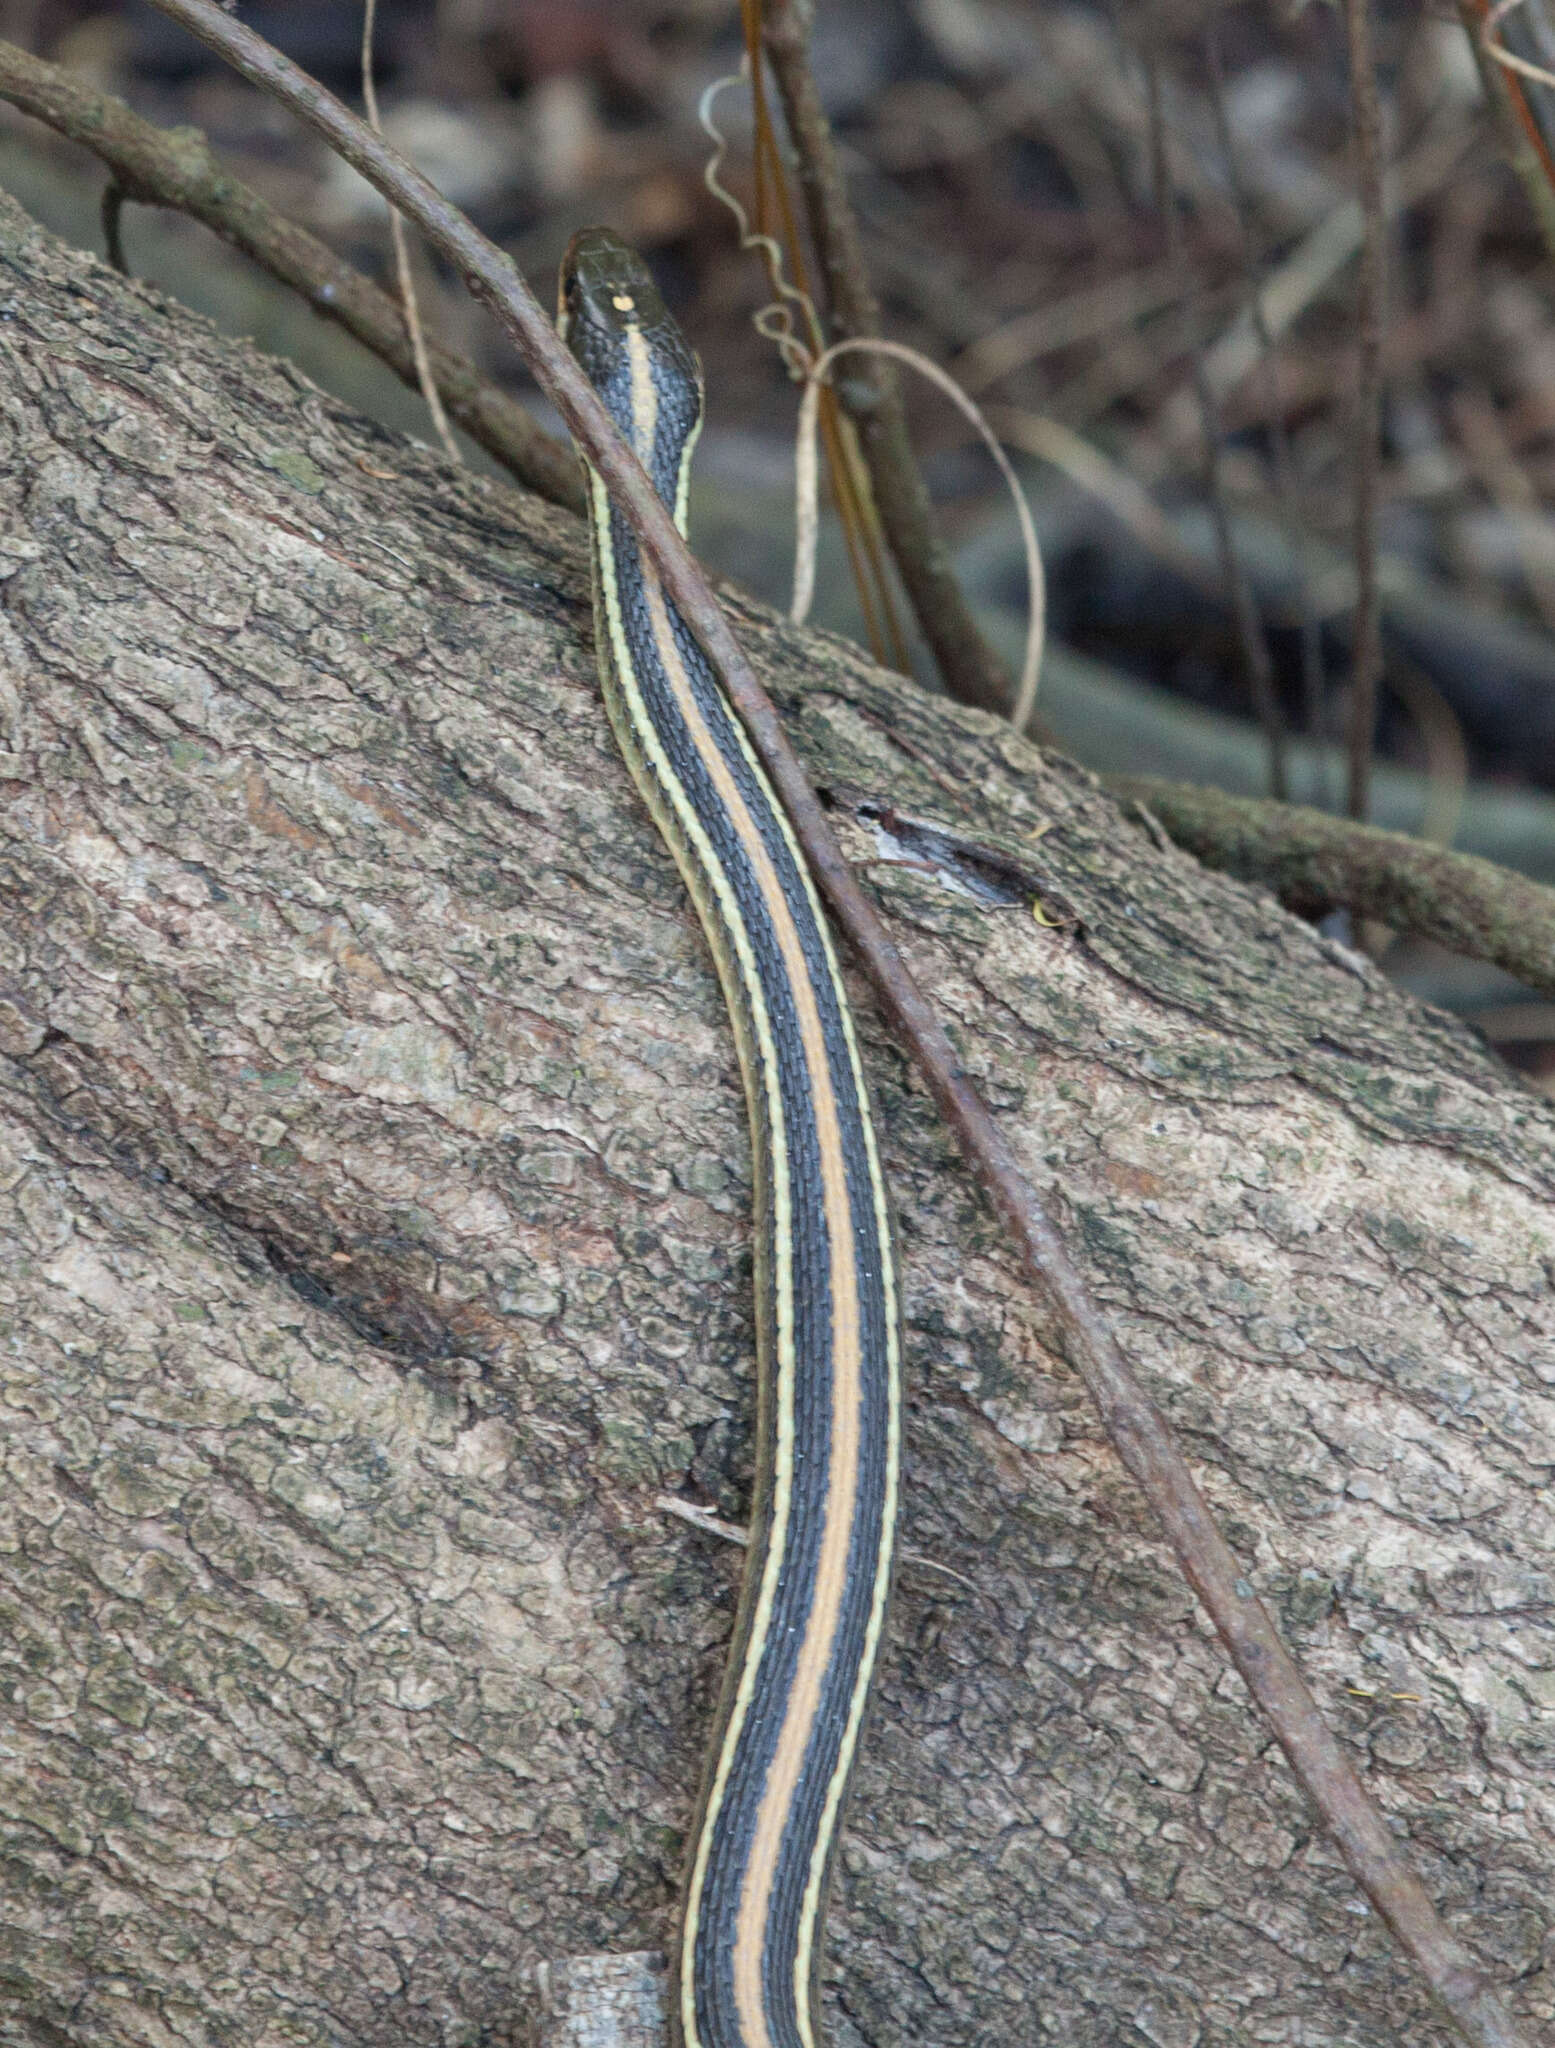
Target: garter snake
813 1604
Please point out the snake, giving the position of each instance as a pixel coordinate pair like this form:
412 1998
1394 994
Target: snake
817 1581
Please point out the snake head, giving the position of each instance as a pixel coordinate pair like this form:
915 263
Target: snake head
614 320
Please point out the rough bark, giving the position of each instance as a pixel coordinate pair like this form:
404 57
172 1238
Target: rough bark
373 1184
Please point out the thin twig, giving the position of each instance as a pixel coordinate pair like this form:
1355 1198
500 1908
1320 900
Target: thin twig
1135 1425
1521 140
792 324
1257 663
969 667
700 1518
1506 25
409 304
1301 279
1366 651
807 521
114 196
177 168
1282 464
1316 863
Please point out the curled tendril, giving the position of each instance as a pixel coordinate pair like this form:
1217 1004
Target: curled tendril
807 517
774 322
808 363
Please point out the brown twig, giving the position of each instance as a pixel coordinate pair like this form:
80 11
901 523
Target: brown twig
409 304
791 322
1316 863
177 168
872 396
1257 664
1286 495
1133 1422
1521 139
114 196
1301 279
1366 654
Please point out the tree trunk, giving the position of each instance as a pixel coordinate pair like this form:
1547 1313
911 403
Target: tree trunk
373 1183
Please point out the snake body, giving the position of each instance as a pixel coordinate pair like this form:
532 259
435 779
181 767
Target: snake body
813 1604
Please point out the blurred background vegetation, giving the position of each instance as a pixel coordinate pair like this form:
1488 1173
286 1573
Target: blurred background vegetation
1131 232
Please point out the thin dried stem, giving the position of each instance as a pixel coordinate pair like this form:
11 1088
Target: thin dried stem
1136 1427
969 667
1257 664
790 309
857 508
1521 138
1366 653
1302 278
407 283
1286 495
807 523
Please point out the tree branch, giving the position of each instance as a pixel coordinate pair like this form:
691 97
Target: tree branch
177 168
1316 863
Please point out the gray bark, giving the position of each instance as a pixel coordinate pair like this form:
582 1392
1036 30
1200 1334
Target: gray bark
616 2001
373 1183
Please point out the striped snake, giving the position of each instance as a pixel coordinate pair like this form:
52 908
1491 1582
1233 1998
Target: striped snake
813 1604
